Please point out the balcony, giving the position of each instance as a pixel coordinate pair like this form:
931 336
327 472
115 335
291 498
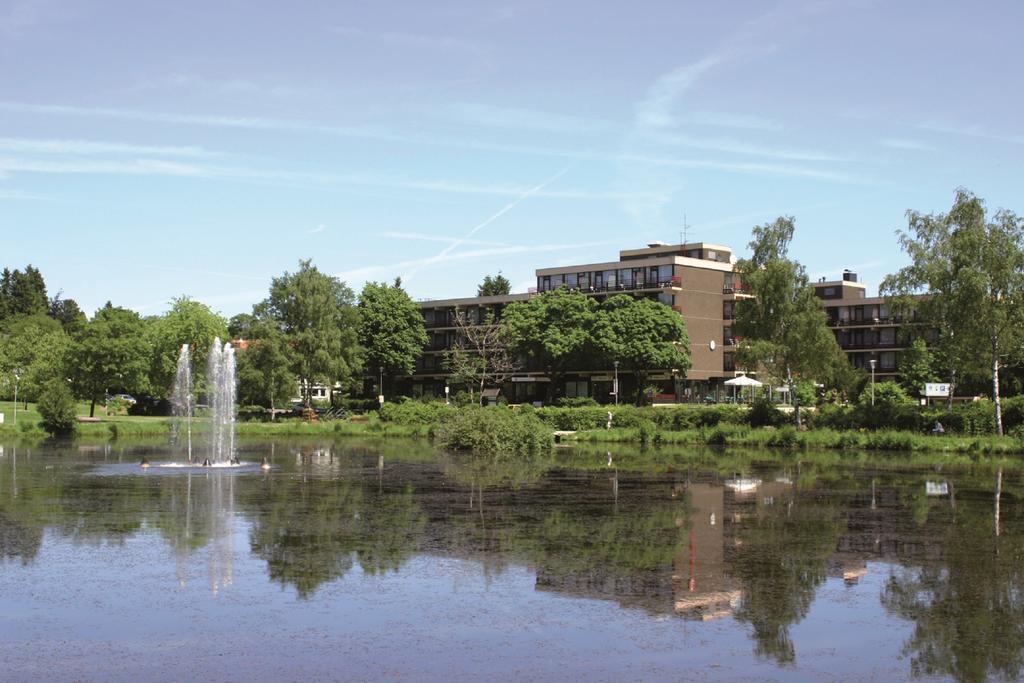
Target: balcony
674 281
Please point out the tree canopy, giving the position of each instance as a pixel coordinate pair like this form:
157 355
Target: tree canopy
317 315
552 329
22 292
391 328
494 285
111 352
188 322
972 270
783 323
642 335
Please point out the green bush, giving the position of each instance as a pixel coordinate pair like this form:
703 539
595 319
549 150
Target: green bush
763 413
415 412
494 430
787 437
57 407
575 402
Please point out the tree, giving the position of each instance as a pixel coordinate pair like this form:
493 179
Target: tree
67 313
36 347
320 323
553 329
265 374
494 286
391 328
481 355
643 335
241 326
972 272
111 352
57 408
22 293
917 367
783 323
188 322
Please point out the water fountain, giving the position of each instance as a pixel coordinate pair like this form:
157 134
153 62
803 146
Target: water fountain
181 397
220 384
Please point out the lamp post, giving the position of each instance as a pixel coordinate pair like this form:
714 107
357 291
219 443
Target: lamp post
381 385
17 377
615 383
872 363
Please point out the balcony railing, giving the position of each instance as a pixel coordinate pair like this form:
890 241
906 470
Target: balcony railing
674 281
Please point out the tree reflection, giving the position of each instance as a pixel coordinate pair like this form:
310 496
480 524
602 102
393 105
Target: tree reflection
781 558
968 608
310 532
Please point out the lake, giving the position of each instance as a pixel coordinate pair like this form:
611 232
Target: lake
390 560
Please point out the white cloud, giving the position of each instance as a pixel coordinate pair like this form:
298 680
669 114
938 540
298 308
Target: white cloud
738 147
423 237
319 228
916 145
92 147
529 119
655 110
728 120
970 131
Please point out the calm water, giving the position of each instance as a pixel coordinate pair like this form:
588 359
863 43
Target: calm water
393 561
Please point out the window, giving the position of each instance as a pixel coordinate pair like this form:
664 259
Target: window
574 389
584 280
626 276
557 281
665 273
609 279
728 362
712 255
727 335
727 310
571 280
887 360
830 292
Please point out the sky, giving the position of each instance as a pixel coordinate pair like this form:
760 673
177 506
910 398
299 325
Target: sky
152 150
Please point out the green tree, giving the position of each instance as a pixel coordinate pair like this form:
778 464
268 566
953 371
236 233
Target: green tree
494 285
67 312
917 367
553 330
642 335
36 346
57 408
391 328
22 293
317 315
783 325
972 270
188 322
265 374
241 326
110 353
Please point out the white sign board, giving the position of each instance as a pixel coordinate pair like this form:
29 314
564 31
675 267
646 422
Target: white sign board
936 390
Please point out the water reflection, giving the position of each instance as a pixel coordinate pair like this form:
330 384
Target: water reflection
744 543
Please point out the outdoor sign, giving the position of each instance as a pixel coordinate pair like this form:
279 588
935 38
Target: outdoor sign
936 390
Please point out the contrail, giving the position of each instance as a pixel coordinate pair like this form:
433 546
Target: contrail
480 226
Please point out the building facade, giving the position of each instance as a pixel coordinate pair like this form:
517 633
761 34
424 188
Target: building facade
696 280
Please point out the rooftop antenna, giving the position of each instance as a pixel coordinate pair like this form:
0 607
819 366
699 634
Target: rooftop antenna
684 234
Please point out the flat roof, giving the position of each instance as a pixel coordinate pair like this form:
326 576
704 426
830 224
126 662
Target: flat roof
472 300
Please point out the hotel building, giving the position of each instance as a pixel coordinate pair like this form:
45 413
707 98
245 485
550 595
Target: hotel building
698 281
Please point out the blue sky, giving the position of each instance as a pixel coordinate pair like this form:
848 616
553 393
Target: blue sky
151 150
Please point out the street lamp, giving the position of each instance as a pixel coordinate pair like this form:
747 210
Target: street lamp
381 385
17 376
872 363
615 384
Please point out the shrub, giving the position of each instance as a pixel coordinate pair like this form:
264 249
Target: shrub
150 406
57 408
415 412
786 437
763 413
494 430
575 402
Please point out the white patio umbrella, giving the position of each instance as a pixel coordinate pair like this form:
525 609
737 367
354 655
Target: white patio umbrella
743 381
